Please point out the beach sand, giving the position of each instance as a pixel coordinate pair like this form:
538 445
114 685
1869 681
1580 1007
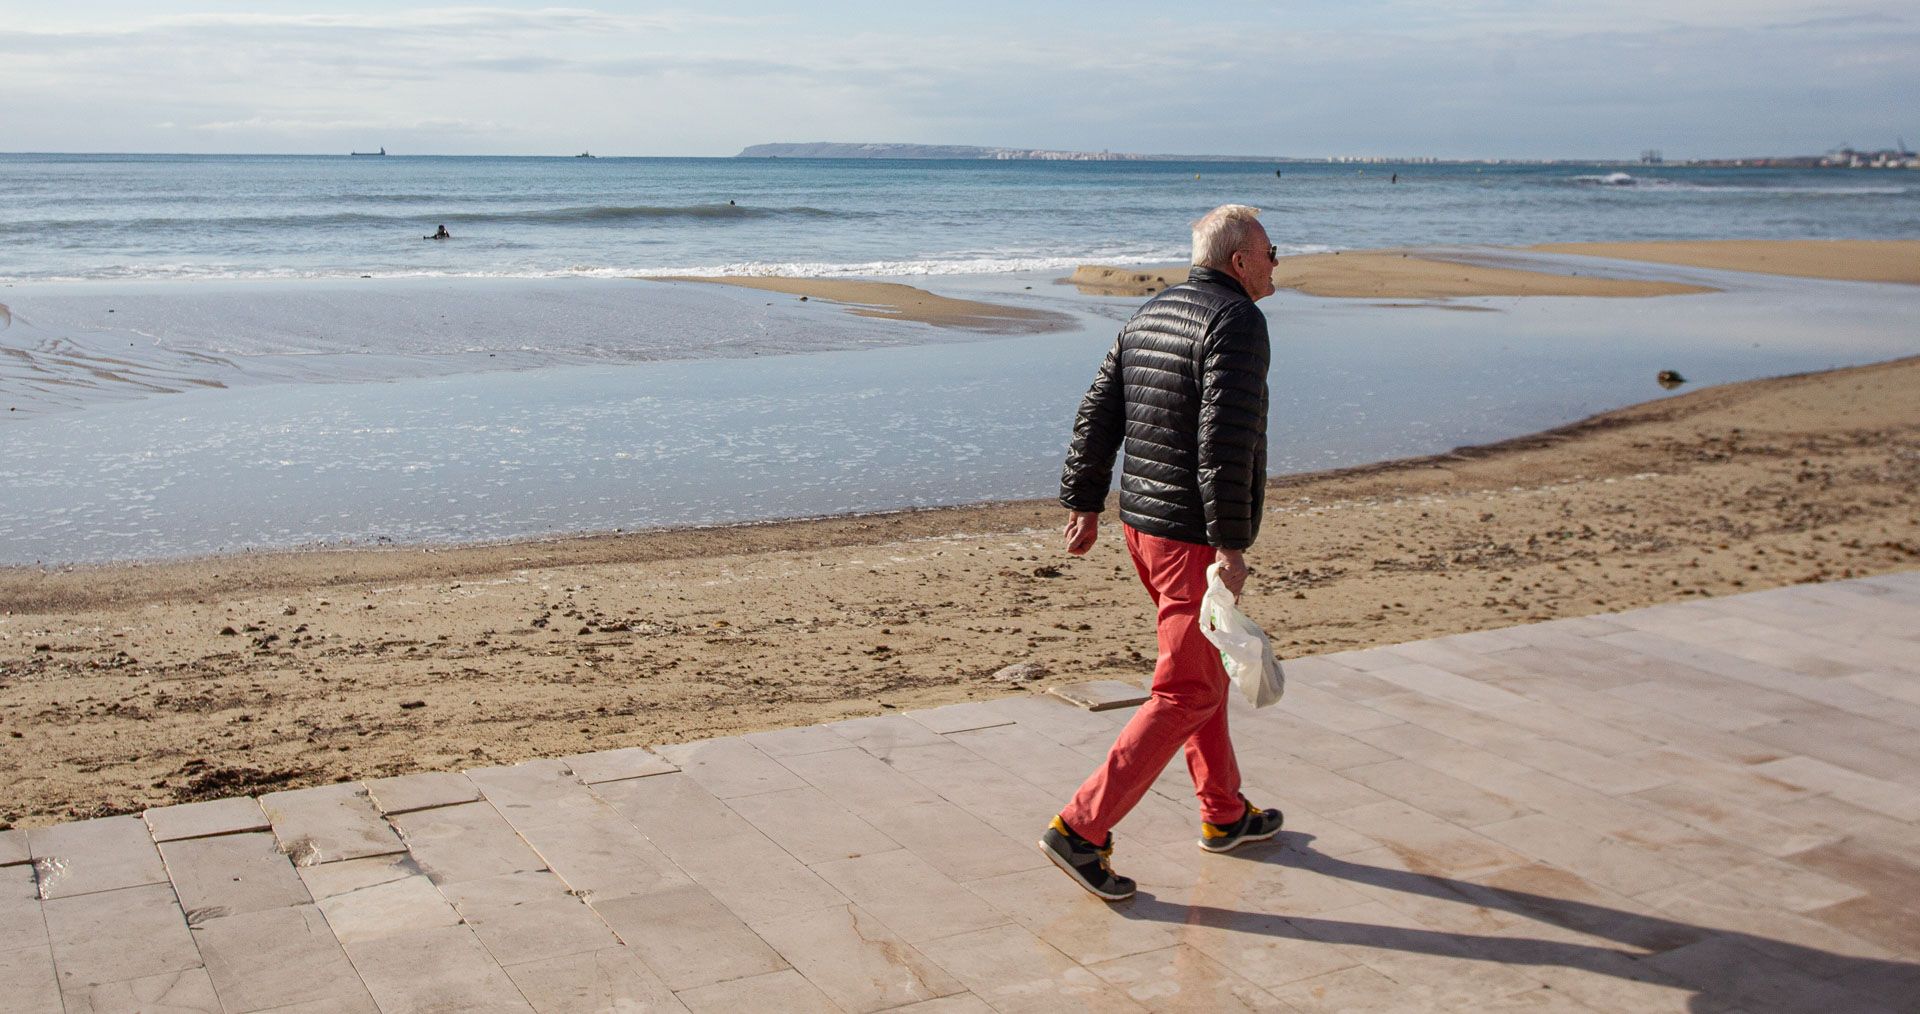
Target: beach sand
129 686
1420 274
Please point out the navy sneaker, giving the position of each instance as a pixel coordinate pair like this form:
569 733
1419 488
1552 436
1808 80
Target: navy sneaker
1253 825
1088 864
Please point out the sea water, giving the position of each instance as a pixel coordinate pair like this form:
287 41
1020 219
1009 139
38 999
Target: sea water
217 354
191 216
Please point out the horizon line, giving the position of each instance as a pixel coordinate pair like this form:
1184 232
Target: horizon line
1155 157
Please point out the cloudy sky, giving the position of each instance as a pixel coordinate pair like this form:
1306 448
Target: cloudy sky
1450 78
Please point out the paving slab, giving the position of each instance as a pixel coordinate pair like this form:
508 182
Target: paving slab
856 960
1008 804
434 971
881 734
1016 972
794 742
959 717
232 874
376 897
355 1003
1101 695
1879 795
94 855
1602 859
781 991
187 992
117 936
21 924
959 845
687 936
528 917
866 784
611 980
203 820
719 849
464 841
1058 911
1057 719
958 1003
811 827
1182 978
424 791
276 958
603 855
730 767
908 895
1677 808
1443 796
329 824
1036 759
27 980
614 765
13 847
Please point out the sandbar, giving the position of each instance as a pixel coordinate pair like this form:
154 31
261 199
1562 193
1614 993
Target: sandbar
1387 274
1854 260
123 687
894 301
1427 274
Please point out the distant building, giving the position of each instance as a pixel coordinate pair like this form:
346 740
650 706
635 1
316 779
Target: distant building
1896 157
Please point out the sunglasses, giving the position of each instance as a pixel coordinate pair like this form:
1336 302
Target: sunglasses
1273 254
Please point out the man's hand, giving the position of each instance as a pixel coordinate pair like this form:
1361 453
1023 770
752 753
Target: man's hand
1233 571
1082 528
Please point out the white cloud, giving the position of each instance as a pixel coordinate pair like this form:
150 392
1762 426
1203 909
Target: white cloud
1461 77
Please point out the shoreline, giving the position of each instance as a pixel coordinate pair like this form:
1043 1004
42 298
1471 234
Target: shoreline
1428 273
143 684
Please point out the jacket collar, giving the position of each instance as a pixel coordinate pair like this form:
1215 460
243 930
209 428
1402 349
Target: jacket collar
1214 276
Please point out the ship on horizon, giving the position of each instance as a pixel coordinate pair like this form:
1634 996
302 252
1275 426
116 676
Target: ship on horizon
369 154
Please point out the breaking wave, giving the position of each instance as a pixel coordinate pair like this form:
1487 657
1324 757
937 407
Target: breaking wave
958 265
1630 181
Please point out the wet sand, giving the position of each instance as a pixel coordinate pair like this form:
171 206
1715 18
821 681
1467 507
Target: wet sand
1426 274
128 686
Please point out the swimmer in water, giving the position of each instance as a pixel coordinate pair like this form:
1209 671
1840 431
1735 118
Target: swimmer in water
441 233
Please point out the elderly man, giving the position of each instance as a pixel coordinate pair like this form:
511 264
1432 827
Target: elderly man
1184 390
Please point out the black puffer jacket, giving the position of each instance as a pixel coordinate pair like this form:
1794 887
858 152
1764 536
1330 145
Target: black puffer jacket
1185 389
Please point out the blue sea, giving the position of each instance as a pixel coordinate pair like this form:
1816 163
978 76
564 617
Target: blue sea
213 354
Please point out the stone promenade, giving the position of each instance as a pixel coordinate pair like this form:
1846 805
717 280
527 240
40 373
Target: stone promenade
1709 806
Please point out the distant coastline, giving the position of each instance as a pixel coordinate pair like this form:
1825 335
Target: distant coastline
836 149
1845 158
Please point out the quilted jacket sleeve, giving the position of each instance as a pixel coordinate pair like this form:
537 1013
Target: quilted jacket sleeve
1097 432
1233 425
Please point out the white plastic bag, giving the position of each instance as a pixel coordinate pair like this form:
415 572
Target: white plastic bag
1244 648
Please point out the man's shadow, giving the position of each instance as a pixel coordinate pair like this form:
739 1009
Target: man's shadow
1772 974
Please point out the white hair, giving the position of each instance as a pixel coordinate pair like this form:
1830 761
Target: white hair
1222 231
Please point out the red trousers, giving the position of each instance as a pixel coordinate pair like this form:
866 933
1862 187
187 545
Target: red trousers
1188 706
